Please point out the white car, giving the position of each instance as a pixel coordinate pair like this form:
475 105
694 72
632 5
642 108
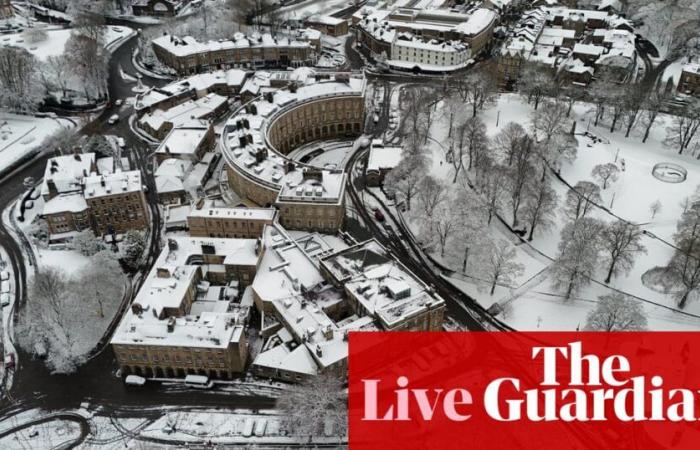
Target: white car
135 380
119 102
113 119
5 287
4 275
5 299
121 142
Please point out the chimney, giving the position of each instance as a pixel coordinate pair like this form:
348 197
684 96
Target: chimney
171 324
200 204
163 272
136 308
102 181
328 333
53 190
319 352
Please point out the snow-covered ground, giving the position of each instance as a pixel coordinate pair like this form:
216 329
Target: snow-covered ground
535 304
20 134
55 42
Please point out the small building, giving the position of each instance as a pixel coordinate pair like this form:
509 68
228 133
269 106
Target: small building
331 26
689 82
188 141
157 8
380 162
160 122
169 178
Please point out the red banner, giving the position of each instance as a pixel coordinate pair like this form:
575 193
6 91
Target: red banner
525 391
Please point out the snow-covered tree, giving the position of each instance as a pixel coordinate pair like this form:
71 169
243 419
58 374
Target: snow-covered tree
476 88
621 242
683 130
133 248
500 267
314 406
444 223
18 79
35 35
655 208
616 312
493 189
651 109
577 259
536 83
520 173
508 141
66 314
473 139
605 173
541 202
548 120
431 193
87 244
580 199
684 267
90 60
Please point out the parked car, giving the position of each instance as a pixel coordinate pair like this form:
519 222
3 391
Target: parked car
10 361
198 381
121 142
5 289
4 275
28 182
119 102
114 119
134 380
5 299
378 215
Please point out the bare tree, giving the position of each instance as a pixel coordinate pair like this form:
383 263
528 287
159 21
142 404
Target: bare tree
507 142
548 120
616 312
580 199
635 101
473 137
577 260
57 70
493 189
520 173
89 59
500 267
315 405
620 242
684 127
536 83
540 206
405 178
18 79
431 193
444 223
684 267
605 173
477 88
652 106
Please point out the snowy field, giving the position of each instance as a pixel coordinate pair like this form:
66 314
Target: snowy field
20 134
530 302
56 41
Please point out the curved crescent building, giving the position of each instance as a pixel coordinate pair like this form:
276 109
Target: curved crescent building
259 136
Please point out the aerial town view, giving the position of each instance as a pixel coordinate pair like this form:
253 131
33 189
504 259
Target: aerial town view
202 200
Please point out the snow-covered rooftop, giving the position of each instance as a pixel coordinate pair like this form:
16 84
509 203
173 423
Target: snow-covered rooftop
184 139
155 318
188 45
256 157
184 112
381 157
265 214
112 183
67 172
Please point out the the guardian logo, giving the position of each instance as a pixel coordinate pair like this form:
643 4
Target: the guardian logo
593 390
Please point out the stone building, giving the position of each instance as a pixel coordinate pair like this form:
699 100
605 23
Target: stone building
187 55
689 82
158 8
331 26
189 141
189 316
261 134
211 221
116 201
